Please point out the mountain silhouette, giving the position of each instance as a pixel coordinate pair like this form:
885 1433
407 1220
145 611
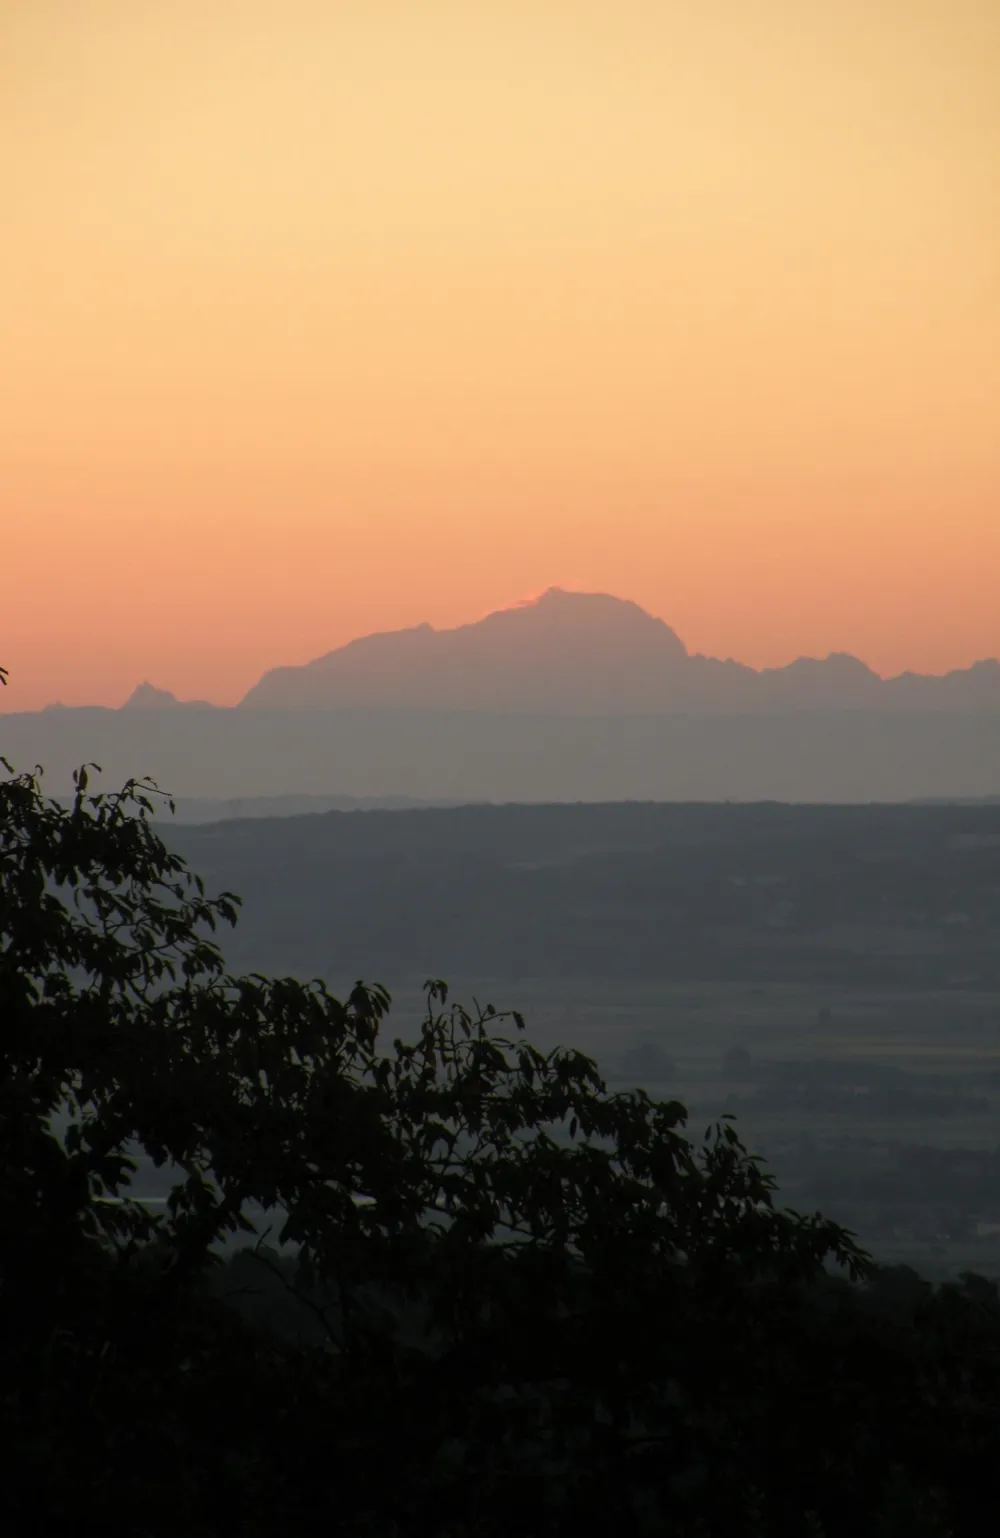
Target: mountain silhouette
147 697
591 654
574 697
571 652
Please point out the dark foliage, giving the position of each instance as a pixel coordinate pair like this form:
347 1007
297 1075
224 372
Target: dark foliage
516 1302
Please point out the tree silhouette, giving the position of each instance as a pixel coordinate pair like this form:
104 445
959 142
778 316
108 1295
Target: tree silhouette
532 1303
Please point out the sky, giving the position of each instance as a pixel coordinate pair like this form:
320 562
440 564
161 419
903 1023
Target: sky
320 317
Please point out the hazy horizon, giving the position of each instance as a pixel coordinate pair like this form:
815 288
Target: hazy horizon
463 757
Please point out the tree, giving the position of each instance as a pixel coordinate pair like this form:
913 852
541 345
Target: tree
532 1300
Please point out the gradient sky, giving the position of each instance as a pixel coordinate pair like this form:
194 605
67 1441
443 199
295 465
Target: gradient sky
325 316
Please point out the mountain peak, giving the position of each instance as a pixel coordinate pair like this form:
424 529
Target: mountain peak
147 697
570 603
563 650
567 652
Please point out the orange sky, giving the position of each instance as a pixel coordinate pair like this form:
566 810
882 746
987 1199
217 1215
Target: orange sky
318 318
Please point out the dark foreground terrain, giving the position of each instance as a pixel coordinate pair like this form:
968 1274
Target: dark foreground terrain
498 1295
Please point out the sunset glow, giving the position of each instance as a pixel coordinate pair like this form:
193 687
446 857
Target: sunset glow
318 319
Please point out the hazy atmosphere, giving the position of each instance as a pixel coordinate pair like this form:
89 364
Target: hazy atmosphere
500 768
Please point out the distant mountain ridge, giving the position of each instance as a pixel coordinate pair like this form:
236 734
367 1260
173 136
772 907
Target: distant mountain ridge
576 697
592 654
211 809
146 697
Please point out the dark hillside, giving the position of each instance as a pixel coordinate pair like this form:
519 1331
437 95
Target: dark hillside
892 896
